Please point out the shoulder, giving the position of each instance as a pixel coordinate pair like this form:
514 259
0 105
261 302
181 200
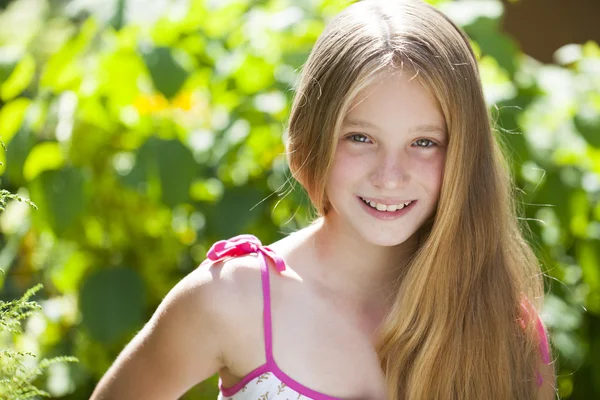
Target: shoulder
216 296
188 338
213 304
224 289
545 374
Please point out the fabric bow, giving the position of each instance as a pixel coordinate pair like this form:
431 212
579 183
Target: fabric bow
242 245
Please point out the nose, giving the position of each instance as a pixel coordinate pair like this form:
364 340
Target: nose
391 172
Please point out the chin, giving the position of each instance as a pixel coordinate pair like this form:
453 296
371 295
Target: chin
389 240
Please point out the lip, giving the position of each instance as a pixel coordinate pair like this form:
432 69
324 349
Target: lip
387 202
386 215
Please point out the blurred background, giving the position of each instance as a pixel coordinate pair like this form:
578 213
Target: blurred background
145 130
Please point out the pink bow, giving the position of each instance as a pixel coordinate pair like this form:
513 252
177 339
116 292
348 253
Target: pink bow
242 245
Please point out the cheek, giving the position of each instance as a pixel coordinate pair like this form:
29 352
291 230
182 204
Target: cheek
347 166
430 172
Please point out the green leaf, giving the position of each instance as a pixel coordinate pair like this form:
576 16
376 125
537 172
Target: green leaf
62 71
224 18
254 75
8 61
140 176
67 276
60 196
165 169
118 19
588 255
552 191
112 303
580 212
167 73
486 32
238 208
177 169
559 315
19 80
43 157
11 118
509 132
588 124
591 49
119 73
17 152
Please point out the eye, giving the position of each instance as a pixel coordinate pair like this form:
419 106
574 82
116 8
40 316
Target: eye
357 138
425 143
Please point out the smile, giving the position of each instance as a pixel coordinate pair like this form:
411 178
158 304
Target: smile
385 207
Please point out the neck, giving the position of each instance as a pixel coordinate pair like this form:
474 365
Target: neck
352 267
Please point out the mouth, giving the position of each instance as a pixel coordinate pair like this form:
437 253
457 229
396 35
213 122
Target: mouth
387 207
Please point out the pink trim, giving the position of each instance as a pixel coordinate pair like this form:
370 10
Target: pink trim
245 244
267 325
529 312
298 387
279 374
230 391
268 329
544 347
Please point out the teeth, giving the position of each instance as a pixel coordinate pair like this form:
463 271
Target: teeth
383 207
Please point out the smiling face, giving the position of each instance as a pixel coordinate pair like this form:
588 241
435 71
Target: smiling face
386 175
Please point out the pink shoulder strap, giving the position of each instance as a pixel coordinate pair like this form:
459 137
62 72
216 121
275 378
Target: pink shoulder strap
249 244
529 313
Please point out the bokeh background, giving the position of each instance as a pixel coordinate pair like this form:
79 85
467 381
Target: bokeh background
145 130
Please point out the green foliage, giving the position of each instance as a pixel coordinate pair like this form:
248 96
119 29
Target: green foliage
146 133
6 196
16 377
120 312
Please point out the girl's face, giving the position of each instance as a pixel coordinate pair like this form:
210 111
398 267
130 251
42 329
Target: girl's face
387 170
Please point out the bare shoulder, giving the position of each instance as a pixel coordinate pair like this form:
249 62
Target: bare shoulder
216 292
233 296
187 340
228 288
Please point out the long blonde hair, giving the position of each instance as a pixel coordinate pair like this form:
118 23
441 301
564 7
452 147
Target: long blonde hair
452 332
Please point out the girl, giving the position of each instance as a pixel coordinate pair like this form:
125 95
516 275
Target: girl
414 282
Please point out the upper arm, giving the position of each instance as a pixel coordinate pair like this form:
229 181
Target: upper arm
180 346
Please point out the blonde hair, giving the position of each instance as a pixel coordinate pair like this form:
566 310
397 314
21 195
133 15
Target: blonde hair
452 331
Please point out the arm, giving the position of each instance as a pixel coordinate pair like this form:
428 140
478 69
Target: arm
179 347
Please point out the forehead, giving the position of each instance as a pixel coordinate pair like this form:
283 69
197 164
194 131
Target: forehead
396 99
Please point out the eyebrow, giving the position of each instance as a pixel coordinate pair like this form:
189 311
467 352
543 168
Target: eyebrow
426 128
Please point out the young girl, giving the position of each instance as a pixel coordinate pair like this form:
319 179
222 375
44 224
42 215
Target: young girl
415 281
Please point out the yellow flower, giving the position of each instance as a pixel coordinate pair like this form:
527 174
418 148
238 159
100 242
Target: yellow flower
148 104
